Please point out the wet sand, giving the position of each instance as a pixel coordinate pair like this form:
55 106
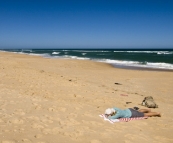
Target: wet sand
55 100
142 68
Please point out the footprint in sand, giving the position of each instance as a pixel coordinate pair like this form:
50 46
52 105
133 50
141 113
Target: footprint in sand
16 121
62 123
1 121
77 108
46 121
72 115
55 130
21 130
95 141
62 109
51 109
8 141
73 122
127 141
37 126
131 137
73 135
19 112
26 141
47 131
38 136
37 106
5 130
34 118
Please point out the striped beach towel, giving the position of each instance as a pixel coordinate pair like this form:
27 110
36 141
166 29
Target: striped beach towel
121 119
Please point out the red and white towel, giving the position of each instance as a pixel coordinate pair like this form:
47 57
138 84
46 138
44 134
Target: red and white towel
121 119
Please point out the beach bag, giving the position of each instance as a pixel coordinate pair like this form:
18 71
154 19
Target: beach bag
149 102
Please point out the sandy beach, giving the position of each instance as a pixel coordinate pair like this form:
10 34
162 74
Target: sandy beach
46 100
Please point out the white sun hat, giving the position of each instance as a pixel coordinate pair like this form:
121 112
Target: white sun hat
109 111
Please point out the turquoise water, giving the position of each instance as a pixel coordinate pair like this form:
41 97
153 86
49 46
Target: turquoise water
154 59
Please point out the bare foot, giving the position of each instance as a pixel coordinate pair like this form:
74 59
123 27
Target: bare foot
159 115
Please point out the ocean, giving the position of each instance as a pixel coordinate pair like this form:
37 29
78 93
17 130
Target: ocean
135 59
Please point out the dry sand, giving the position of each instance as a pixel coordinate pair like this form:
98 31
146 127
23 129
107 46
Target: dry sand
56 101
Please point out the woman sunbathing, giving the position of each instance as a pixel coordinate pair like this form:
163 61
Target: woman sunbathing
115 113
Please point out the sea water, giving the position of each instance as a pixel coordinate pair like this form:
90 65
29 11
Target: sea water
150 59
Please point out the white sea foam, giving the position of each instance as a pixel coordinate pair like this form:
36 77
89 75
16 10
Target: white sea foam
54 53
43 55
89 51
121 62
139 64
164 52
84 53
79 58
160 65
142 51
157 52
74 57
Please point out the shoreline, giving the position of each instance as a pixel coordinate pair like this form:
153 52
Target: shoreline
113 65
141 68
44 100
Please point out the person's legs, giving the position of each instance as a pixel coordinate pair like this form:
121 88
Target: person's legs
150 114
144 110
136 113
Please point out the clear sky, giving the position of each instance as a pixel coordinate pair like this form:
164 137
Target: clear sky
86 23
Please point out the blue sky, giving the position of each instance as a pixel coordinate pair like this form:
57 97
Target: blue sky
86 24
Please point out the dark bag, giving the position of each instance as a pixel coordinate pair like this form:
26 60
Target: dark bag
149 102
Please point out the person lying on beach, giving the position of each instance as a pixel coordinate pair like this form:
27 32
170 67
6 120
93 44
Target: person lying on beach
115 113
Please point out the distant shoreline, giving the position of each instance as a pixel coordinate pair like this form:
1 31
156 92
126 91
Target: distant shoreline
118 49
